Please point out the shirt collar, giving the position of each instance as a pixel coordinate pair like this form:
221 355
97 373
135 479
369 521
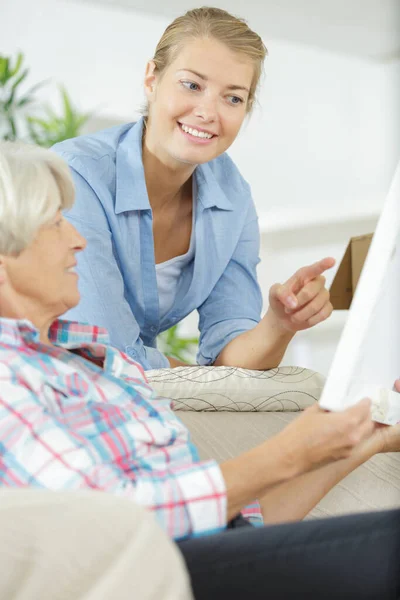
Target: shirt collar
65 334
69 334
131 191
14 332
209 191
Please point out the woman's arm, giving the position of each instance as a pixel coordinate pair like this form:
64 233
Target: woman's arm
260 348
174 362
292 501
281 468
308 489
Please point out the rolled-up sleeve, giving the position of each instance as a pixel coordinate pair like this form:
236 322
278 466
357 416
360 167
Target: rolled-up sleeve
101 282
235 303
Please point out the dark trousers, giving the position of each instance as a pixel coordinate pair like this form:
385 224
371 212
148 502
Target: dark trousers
356 557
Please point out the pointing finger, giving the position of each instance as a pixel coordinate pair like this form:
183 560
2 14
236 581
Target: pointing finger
307 274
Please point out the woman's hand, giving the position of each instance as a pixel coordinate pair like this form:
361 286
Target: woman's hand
303 301
318 437
389 435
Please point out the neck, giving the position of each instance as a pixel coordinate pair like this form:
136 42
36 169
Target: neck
12 307
167 180
43 328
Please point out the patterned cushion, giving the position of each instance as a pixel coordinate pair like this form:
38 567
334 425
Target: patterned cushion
230 389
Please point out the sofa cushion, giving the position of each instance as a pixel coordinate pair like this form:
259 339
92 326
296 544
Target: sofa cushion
230 389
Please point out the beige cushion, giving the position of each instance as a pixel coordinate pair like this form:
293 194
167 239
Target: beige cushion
230 389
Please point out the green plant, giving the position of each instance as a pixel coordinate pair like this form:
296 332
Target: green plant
43 129
181 348
46 132
12 76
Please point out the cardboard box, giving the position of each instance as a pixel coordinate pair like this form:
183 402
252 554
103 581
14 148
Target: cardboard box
347 276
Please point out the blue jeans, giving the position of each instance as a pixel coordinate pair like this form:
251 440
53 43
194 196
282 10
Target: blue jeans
356 557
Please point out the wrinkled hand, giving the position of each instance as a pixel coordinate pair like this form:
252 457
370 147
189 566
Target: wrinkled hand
389 435
318 437
303 301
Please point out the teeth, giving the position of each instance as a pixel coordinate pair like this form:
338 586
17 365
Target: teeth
71 270
195 133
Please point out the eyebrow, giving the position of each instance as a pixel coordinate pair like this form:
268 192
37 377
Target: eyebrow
205 78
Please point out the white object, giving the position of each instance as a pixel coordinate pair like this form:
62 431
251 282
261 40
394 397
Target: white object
168 272
367 359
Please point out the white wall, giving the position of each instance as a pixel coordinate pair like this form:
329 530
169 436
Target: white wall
321 148
320 138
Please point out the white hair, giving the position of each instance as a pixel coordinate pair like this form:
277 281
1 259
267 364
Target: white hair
34 184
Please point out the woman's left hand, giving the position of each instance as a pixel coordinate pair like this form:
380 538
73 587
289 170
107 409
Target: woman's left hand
389 435
303 301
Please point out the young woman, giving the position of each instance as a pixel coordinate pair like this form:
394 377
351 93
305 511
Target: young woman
170 221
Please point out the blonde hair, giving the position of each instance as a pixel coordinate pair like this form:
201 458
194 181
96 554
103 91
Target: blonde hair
34 184
218 24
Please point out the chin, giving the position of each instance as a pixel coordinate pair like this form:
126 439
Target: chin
70 302
194 158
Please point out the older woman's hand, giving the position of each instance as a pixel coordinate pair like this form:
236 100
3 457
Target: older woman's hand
318 437
303 301
389 435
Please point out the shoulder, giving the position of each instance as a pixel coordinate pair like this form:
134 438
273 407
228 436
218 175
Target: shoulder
94 146
93 161
93 156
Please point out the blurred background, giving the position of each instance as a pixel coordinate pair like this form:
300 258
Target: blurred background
319 150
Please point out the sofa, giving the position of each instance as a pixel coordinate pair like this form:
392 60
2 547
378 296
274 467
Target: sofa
230 410
85 545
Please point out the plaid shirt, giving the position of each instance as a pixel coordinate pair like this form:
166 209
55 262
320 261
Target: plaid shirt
70 423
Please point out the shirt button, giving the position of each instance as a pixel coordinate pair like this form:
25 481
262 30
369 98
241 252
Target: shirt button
153 329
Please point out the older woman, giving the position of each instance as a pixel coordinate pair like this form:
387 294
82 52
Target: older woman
76 413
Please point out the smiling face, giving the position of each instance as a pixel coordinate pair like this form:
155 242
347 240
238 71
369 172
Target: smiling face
41 282
198 104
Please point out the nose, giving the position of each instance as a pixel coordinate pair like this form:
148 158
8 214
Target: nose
206 109
77 241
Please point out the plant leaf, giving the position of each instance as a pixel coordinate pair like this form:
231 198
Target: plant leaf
18 63
19 79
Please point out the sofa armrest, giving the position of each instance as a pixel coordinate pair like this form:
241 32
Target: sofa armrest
81 544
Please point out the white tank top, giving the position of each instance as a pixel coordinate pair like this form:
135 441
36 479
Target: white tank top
168 274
